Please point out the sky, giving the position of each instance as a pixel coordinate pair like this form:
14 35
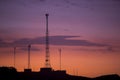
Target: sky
87 32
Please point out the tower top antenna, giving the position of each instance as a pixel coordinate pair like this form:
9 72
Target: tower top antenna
46 14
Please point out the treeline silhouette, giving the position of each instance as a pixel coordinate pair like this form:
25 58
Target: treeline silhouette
10 73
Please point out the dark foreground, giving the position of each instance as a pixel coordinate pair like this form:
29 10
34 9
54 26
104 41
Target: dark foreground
9 73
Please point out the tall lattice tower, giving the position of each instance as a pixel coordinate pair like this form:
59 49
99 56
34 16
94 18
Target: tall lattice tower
47 60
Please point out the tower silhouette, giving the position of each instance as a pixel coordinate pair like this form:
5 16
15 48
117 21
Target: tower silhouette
28 69
14 56
60 57
47 60
29 46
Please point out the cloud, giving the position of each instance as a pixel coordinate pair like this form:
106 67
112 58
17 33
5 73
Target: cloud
108 49
92 4
113 48
64 40
4 44
58 40
116 0
42 0
21 2
72 3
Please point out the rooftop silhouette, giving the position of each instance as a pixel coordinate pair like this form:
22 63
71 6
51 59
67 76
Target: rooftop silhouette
10 73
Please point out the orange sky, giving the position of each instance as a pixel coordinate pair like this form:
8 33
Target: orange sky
85 63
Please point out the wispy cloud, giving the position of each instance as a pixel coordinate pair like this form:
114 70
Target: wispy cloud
54 40
85 45
105 49
4 44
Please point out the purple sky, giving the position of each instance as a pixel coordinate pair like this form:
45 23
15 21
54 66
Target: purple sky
94 20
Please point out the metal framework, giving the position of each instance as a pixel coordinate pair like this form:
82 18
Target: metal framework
47 60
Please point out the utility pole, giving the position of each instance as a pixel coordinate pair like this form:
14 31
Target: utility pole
14 56
60 57
29 46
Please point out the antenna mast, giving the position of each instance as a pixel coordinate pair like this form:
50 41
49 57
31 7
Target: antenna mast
29 46
14 56
60 57
47 60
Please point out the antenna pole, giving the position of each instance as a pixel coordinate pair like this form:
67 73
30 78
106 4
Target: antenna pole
47 60
60 57
29 46
14 55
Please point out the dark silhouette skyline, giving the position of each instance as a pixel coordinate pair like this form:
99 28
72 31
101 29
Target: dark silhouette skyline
10 73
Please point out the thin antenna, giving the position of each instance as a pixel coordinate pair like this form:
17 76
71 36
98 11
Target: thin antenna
60 57
47 60
29 46
14 56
